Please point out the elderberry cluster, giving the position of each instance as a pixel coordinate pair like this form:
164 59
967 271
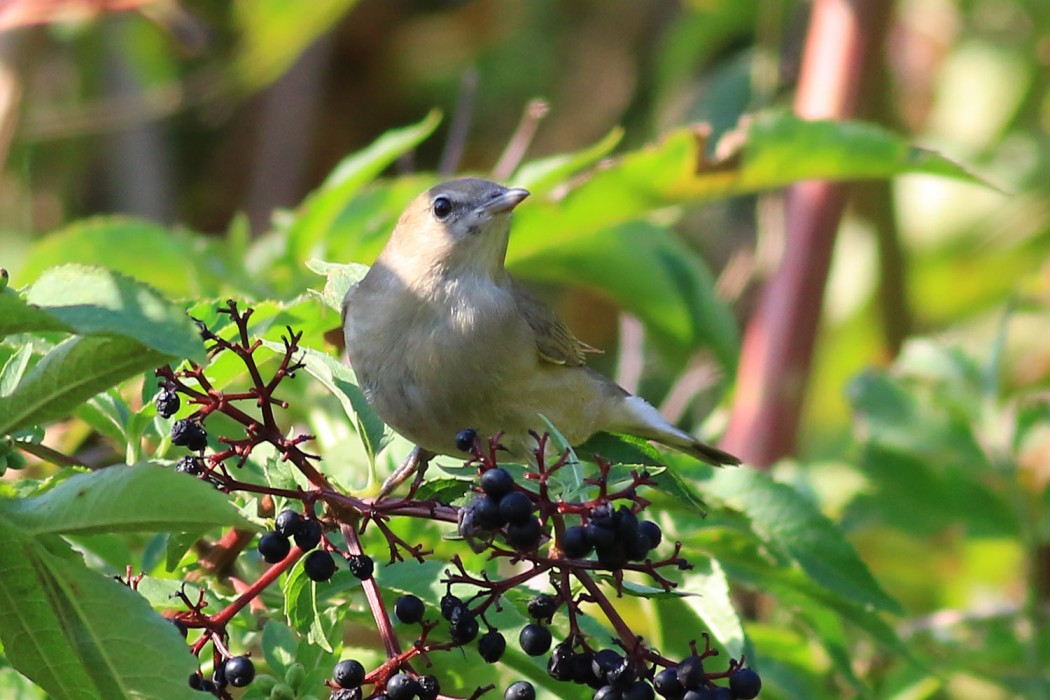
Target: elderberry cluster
532 522
502 507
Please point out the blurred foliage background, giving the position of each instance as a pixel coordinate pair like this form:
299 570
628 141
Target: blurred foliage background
924 426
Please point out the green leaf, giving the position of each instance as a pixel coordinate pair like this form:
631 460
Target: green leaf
321 209
671 482
279 645
275 33
181 263
339 379
784 518
714 605
95 301
339 279
622 449
81 635
71 373
142 498
540 176
645 269
301 609
18 316
14 368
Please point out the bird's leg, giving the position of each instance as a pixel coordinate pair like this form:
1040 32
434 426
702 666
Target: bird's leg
417 461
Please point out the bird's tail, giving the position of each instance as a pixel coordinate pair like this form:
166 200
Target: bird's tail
647 422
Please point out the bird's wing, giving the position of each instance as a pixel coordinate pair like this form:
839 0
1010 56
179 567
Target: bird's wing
554 341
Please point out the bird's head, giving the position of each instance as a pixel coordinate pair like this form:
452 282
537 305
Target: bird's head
459 227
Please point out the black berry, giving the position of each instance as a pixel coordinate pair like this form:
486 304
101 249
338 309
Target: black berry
497 482
463 627
346 694
623 675
485 513
167 403
667 685
274 547
574 543
534 639
189 433
190 465
607 692
239 671
691 672
402 686
429 688
612 556
636 547
626 523
465 439
491 646
319 565
180 627
308 535
561 666
348 673
542 606
522 690
361 566
603 662
652 531
195 681
598 535
288 523
745 684
639 690
525 536
409 609
449 605
516 508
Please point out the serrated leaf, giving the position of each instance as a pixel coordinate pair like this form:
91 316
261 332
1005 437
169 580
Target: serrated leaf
444 490
622 449
339 279
71 373
300 605
641 590
714 604
339 379
321 209
81 635
670 482
96 301
142 498
279 645
18 316
783 517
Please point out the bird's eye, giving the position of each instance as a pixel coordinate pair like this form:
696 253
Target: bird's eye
442 208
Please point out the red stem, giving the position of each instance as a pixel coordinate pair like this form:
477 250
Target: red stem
778 343
375 599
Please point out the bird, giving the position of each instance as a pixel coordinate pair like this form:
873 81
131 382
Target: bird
441 338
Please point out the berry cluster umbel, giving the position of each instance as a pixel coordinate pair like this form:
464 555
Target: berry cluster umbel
521 520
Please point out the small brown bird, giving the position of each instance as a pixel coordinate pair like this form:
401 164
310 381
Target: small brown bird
442 338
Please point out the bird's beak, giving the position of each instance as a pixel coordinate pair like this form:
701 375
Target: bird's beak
504 201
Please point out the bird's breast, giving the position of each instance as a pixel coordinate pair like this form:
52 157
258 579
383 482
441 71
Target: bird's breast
429 367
